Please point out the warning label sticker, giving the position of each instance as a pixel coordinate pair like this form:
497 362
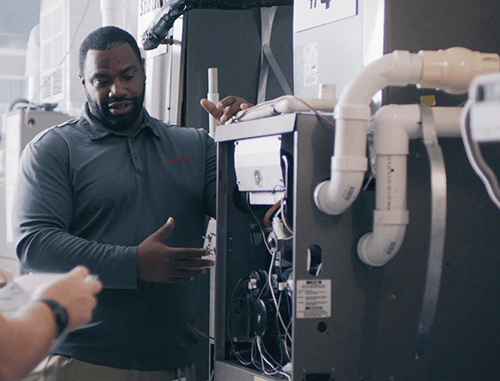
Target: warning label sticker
314 299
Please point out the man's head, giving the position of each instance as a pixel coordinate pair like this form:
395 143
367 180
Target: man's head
113 79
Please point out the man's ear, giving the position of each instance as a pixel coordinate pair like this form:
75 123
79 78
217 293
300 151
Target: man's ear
82 80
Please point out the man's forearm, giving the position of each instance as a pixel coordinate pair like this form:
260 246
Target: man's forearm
53 250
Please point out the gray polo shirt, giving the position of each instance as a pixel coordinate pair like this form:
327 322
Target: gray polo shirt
86 195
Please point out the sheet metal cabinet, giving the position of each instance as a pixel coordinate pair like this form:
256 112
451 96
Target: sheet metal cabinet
370 333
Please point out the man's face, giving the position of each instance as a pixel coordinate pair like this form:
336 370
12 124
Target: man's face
114 84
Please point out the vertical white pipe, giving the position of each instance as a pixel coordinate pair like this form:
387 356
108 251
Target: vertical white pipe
213 96
390 190
111 12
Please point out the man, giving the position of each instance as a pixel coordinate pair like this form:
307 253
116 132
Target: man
58 306
97 191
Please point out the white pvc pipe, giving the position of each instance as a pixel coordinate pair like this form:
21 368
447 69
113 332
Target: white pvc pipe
380 246
351 114
395 125
212 96
448 70
453 69
112 13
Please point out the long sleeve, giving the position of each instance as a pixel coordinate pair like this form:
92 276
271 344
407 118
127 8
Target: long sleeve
42 220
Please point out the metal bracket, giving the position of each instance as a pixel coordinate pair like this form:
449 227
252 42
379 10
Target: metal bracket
267 57
438 229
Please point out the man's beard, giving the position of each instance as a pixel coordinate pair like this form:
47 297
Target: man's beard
116 123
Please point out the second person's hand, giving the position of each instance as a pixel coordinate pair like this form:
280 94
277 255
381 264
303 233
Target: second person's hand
75 291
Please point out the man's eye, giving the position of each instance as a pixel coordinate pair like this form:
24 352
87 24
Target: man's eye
100 82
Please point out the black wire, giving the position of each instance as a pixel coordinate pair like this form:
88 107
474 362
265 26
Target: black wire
234 350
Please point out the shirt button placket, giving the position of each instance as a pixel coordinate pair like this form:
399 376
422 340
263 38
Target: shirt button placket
135 156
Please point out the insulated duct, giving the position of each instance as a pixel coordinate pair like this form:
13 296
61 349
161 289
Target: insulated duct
172 10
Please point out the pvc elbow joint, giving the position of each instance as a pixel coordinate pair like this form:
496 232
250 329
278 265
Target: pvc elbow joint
337 194
379 247
351 115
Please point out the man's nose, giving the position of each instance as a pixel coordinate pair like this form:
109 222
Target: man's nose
117 89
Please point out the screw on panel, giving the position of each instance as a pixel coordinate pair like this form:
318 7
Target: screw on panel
258 177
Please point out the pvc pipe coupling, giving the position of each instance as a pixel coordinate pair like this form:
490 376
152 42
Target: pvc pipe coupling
453 69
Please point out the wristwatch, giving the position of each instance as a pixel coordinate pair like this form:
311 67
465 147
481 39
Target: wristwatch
60 314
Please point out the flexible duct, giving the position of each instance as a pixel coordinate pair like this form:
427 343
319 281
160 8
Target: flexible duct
172 10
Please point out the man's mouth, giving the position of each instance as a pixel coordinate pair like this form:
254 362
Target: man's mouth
120 107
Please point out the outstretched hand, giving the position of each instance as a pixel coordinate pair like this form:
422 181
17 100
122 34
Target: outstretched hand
226 108
76 292
157 262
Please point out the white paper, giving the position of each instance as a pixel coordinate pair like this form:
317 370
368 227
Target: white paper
17 293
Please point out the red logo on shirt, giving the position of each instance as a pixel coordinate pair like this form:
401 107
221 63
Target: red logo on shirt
176 159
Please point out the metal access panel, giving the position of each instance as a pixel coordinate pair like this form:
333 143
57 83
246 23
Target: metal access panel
367 317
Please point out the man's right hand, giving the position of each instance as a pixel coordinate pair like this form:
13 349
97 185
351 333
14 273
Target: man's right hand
157 262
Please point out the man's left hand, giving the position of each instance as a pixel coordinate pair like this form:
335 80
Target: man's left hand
226 108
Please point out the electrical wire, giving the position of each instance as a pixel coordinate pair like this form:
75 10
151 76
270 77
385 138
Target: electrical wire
283 219
234 350
258 223
203 334
272 101
283 201
273 257
269 214
284 340
269 281
475 157
58 66
265 357
286 294
275 368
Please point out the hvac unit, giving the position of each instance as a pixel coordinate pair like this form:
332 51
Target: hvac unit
63 26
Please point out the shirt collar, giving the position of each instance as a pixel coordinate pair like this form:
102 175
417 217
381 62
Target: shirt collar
96 130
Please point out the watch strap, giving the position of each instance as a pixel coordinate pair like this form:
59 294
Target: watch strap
59 312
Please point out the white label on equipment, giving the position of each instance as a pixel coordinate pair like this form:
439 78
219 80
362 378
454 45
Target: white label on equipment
311 64
311 13
314 299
